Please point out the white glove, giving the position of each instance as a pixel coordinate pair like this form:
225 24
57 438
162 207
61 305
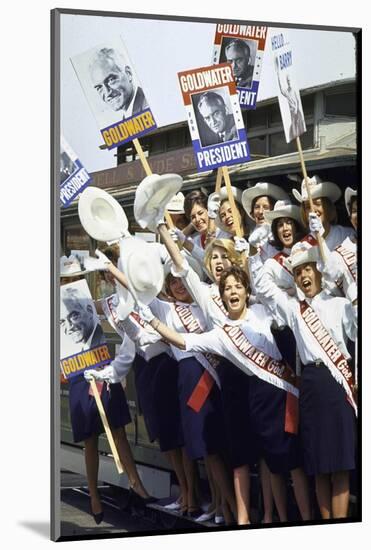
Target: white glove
103 375
177 235
241 245
145 313
315 224
213 205
97 264
260 235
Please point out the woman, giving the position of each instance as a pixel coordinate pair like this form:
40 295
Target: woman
324 195
221 254
286 229
257 201
224 217
234 291
320 323
87 425
156 381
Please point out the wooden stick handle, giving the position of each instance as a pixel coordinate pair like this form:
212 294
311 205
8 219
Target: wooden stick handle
235 213
148 171
219 178
107 429
307 186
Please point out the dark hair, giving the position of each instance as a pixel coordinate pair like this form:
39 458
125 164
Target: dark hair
353 199
328 207
299 234
270 199
194 197
240 275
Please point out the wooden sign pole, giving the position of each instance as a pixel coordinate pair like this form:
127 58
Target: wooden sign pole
307 186
107 429
148 172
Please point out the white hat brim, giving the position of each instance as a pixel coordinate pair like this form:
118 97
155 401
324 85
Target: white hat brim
349 193
152 196
101 215
289 211
323 189
307 256
133 250
126 302
264 189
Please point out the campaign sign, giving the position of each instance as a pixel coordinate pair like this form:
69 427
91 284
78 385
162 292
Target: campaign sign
243 47
83 344
214 116
73 176
113 92
288 92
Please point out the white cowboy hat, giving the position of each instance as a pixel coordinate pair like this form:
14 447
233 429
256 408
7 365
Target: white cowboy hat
176 204
223 195
301 253
318 189
261 189
349 193
152 196
284 209
71 267
141 263
101 215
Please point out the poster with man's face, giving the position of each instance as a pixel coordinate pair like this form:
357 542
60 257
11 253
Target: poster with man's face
214 116
114 93
288 92
243 47
83 344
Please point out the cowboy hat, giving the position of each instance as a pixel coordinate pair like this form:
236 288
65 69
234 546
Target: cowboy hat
101 215
301 253
71 267
141 263
349 193
261 189
284 209
152 196
176 204
318 189
221 196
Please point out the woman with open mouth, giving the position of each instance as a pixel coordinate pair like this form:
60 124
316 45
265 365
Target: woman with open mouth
321 324
235 385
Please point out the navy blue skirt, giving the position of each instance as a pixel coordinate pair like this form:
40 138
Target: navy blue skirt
203 431
157 389
85 419
281 450
145 392
327 423
235 389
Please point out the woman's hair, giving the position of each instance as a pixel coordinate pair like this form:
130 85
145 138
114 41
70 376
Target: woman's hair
240 275
329 210
112 252
240 208
194 197
299 233
228 246
353 199
271 201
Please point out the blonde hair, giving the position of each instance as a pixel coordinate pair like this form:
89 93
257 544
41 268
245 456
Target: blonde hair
228 246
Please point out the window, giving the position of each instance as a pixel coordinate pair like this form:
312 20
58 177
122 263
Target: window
340 104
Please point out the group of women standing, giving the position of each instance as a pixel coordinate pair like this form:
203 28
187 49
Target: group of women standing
219 353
